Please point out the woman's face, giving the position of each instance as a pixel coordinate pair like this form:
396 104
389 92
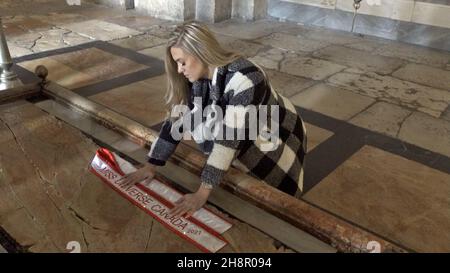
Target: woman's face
191 67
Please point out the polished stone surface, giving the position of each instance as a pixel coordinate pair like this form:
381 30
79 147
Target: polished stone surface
307 67
142 101
158 52
252 30
57 38
140 42
286 84
359 59
44 40
100 30
84 67
290 42
331 101
392 196
49 197
16 51
23 24
98 63
270 59
59 18
426 99
390 88
428 132
415 54
247 48
60 73
425 75
40 181
316 136
382 117
136 21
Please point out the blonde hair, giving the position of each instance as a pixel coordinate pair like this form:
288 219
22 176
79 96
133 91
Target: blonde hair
197 40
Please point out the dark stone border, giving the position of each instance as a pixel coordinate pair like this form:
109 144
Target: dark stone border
9 244
156 66
348 139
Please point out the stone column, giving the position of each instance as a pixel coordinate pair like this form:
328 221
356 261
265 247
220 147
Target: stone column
122 4
249 10
178 10
213 11
8 79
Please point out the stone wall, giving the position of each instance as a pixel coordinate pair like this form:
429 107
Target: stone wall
416 22
203 10
125 4
213 10
249 9
180 10
428 12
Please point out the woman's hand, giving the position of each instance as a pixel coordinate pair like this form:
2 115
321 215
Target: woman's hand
145 173
190 203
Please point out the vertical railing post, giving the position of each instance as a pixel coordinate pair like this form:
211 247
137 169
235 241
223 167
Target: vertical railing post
8 78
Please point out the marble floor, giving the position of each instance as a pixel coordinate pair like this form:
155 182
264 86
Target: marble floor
377 114
49 197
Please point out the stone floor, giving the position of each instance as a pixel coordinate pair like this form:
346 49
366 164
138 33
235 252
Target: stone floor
49 198
377 113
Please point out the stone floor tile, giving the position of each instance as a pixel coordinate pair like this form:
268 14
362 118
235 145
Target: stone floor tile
99 64
27 24
141 101
270 59
252 30
163 31
16 51
59 18
397 198
158 52
291 42
316 136
359 59
382 117
286 84
427 132
414 54
332 101
60 73
140 42
100 30
57 38
248 49
425 75
135 21
307 67
386 88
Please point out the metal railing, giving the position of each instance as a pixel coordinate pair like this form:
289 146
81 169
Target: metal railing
8 78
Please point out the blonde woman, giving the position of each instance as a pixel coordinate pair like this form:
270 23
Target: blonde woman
200 74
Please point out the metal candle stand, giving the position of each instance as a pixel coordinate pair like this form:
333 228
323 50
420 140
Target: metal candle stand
356 5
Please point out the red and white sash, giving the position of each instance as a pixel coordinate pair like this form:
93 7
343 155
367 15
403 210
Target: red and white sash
203 228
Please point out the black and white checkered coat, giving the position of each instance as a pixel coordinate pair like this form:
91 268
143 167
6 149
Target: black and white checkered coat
242 83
